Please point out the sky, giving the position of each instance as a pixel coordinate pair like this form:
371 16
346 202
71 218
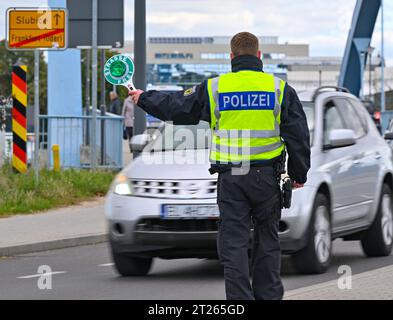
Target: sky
322 24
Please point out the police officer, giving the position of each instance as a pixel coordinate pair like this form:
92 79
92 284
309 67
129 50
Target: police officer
254 118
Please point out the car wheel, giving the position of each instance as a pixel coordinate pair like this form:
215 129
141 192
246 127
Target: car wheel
129 266
315 257
378 240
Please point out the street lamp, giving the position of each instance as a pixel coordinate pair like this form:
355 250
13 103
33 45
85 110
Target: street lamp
320 75
370 51
383 102
140 60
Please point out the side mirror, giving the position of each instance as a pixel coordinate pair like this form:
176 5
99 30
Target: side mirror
388 136
341 138
139 142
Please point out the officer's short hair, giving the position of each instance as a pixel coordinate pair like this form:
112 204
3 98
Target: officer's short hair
244 43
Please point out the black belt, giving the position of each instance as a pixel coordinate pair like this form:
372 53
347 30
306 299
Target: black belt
221 168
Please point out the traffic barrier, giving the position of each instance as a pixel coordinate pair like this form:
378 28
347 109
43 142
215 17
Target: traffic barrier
76 152
19 120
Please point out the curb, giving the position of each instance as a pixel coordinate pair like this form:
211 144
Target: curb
53 245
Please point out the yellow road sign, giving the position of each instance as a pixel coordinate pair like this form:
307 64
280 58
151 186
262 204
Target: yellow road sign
36 28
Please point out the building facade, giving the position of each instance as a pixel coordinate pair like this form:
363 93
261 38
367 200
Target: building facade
186 61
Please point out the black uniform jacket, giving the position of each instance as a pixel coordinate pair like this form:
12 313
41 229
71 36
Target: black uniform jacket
191 107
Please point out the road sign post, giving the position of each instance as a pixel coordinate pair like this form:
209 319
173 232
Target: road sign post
36 112
140 60
103 109
87 97
93 144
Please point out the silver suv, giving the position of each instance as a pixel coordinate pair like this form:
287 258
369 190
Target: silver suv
164 203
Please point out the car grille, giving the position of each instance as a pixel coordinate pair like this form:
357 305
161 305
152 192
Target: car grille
156 224
175 189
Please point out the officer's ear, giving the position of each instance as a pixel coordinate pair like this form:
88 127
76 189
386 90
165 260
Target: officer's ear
232 56
259 54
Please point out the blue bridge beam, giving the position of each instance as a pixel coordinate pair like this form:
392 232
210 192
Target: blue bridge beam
359 39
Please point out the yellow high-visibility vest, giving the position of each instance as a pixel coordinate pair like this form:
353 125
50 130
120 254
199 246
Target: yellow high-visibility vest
245 110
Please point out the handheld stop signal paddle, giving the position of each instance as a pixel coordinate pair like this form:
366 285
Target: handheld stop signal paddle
119 70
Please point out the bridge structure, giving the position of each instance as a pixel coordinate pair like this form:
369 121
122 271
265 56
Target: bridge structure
358 47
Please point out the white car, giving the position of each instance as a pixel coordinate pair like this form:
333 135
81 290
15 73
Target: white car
164 203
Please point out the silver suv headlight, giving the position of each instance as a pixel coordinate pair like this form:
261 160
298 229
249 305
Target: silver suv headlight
122 186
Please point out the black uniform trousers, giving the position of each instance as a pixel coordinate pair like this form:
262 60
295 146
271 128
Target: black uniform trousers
250 201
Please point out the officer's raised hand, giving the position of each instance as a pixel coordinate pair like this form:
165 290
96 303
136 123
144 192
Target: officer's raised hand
135 95
297 185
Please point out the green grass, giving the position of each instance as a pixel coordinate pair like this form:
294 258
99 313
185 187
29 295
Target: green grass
19 193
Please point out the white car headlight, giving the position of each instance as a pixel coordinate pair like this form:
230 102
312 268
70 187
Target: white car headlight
122 186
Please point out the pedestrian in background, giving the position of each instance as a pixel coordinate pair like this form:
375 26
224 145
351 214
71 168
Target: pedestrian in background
115 106
128 114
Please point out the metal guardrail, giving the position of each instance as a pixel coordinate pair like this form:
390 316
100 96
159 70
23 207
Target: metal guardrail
73 135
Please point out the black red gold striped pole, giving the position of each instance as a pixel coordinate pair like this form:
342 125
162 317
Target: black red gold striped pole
19 120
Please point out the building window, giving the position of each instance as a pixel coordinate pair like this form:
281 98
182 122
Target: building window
175 55
215 56
269 40
175 40
277 56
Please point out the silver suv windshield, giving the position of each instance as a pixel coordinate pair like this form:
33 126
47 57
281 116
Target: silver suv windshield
180 137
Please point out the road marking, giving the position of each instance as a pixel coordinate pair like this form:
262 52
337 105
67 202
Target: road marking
106 264
38 275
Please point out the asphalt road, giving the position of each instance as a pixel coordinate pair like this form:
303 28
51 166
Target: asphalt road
87 273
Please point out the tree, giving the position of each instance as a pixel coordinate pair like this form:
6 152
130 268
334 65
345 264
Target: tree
8 59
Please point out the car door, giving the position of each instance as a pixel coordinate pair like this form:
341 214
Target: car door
364 173
371 154
338 164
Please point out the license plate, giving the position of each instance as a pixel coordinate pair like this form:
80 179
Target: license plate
189 212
